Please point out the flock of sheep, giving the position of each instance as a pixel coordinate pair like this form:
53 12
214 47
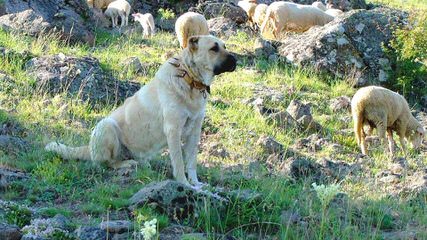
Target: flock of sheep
373 107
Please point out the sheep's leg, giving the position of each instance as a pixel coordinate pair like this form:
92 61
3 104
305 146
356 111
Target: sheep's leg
391 144
363 144
403 143
122 17
382 132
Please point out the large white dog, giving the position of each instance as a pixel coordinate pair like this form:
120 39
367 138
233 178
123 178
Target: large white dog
169 110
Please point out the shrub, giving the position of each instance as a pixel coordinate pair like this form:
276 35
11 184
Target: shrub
409 53
166 14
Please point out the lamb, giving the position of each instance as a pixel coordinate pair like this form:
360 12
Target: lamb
259 14
118 8
249 7
99 4
190 24
387 111
147 23
334 12
319 5
293 17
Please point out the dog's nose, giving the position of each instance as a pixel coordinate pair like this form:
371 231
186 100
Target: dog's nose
231 62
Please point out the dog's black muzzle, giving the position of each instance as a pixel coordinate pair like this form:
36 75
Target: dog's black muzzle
229 65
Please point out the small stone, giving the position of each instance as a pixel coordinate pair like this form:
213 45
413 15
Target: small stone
340 103
359 27
269 144
342 41
118 226
132 64
382 76
9 232
90 233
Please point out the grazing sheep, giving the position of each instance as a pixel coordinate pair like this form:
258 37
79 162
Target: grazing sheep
147 23
287 16
99 4
259 14
249 7
118 8
387 111
190 24
334 12
319 5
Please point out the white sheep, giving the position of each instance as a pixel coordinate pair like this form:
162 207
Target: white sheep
190 24
99 4
386 111
147 23
334 12
118 8
259 14
249 7
319 5
287 16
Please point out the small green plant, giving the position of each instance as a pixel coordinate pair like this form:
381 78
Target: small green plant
16 214
326 193
166 14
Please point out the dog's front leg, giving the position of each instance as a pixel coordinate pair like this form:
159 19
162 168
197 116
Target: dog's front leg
190 151
173 132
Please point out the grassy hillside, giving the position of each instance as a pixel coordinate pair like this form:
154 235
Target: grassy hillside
88 194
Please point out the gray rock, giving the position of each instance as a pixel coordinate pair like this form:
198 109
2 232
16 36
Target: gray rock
8 176
302 168
282 119
417 183
174 232
301 112
116 226
13 145
9 232
70 19
289 217
347 5
263 48
90 233
79 77
173 198
213 9
32 237
365 32
340 103
218 150
132 64
245 195
269 144
222 27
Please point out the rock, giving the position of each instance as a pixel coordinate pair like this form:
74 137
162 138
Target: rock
173 198
72 20
100 19
245 195
364 33
79 77
269 144
222 27
13 145
47 228
399 235
289 217
213 9
417 183
116 226
9 232
174 232
340 104
302 168
195 236
8 176
218 150
313 143
132 64
32 237
90 233
337 170
263 48
165 24
347 5
302 114
388 177
282 119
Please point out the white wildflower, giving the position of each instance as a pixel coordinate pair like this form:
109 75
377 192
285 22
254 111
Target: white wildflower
326 193
149 230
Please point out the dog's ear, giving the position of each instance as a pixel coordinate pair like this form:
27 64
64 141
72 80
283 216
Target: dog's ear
193 43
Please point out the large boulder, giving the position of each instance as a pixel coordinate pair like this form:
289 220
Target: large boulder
351 46
9 232
79 77
217 8
71 19
222 27
347 5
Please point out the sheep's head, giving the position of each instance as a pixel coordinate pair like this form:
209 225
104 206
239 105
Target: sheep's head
416 136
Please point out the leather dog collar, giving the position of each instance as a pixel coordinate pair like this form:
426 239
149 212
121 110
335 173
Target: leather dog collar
189 80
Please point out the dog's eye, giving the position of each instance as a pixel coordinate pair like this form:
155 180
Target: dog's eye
215 48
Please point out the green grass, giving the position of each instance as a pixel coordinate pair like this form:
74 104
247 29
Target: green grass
88 193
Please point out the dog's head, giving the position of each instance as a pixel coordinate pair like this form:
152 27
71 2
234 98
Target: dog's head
136 16
207 56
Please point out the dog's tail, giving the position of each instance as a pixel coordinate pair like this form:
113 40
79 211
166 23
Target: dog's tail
68 153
